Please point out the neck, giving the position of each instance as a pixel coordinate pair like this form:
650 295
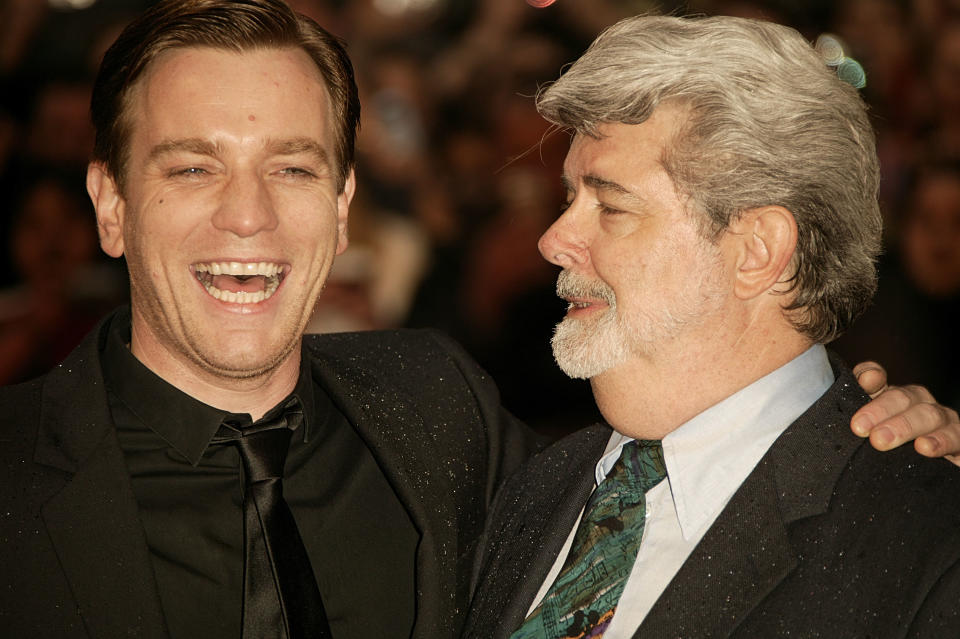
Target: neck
255 394
653 394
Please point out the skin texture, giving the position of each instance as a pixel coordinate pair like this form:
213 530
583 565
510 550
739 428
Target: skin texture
231 159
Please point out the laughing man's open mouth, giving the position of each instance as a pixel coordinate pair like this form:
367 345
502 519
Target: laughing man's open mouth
239 282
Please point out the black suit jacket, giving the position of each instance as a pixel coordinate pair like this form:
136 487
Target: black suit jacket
825 538
73 556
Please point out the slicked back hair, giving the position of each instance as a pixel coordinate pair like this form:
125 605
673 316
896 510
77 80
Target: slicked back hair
232 25
768 123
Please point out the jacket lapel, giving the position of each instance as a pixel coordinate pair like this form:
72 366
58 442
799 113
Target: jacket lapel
93 521
533 518
747 552
394 431
743 556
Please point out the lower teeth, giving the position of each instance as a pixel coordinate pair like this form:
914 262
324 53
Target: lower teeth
244 297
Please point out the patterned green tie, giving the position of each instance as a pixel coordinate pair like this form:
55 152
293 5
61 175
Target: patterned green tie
584 596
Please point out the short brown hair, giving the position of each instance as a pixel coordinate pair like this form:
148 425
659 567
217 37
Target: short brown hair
236 25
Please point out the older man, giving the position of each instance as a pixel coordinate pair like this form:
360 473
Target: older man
721 225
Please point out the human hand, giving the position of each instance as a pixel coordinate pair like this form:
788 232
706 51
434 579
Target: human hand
899 414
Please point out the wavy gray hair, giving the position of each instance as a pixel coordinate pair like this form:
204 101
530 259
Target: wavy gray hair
769 124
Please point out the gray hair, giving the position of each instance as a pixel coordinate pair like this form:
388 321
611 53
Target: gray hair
769 124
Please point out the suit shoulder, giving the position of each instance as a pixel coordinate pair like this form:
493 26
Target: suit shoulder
904 478
403 350
25 483
19 411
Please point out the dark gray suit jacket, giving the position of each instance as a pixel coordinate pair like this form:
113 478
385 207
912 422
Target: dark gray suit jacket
825 538
73 556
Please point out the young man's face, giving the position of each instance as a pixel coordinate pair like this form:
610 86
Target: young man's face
231 215
637 273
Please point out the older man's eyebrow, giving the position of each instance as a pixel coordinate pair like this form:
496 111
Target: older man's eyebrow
601 184
197 146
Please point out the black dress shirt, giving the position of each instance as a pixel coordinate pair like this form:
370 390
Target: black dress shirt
356 532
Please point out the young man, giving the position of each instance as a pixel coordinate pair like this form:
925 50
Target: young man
223 173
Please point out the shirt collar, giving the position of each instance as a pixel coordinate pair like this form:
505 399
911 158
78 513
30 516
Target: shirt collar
186 424
708 457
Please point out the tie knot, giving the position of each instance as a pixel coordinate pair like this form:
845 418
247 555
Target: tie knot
642 460
263 445
639 468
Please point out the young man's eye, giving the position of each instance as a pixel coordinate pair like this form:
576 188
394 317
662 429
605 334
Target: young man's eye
296 171
188 171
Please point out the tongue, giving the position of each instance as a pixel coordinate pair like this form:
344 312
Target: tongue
250 284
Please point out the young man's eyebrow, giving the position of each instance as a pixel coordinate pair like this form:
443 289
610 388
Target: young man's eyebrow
296 146
199 146
188 145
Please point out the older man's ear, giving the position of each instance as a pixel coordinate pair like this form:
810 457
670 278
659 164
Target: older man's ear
900 414
765 239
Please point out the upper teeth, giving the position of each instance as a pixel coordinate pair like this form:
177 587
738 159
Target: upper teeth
239 268
272 273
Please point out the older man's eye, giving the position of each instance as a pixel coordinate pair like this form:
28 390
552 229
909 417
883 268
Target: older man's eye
608 210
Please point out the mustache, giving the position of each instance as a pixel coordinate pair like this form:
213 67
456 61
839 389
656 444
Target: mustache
570 284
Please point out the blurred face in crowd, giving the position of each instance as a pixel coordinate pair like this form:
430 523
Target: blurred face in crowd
230 215
638 275
51 237
931 236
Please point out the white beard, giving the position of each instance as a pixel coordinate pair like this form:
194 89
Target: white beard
586 348
583 349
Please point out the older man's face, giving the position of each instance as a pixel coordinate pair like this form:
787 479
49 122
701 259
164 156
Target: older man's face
231 216
639 277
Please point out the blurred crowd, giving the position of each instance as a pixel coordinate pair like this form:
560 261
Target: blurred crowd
458 176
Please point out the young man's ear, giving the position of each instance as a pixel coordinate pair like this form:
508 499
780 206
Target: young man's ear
110 207
343 209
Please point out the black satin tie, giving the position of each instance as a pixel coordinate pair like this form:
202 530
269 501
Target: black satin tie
280 595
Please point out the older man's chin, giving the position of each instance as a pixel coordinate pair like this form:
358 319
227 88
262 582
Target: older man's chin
584 349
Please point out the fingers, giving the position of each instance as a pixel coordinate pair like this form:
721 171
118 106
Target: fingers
940 443
904 413
888 410
871 376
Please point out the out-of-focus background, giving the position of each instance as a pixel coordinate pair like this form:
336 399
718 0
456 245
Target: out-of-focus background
457 179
